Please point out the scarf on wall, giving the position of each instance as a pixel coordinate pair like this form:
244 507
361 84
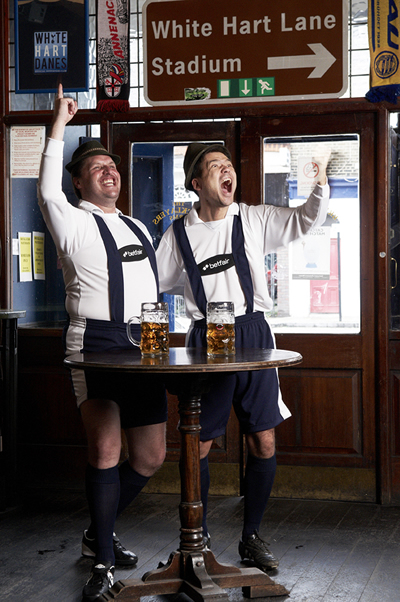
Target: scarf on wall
112 55
384 40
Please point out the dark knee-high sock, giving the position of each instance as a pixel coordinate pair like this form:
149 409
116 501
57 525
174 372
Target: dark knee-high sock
258 481
102 491
132 484
205 486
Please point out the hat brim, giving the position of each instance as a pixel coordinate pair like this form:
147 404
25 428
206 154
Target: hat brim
208 149
92 153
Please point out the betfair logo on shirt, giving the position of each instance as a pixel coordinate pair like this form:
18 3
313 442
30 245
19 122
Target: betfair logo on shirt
216 264
133 253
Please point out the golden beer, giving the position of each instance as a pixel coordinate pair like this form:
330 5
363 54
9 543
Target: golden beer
154 338
220 339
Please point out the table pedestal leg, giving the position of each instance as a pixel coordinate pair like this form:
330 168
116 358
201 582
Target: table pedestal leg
193 569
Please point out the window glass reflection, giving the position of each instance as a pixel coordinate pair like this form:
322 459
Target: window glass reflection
315 281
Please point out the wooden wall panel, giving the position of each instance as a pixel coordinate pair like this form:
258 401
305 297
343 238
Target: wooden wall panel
326 412
394 420
395 438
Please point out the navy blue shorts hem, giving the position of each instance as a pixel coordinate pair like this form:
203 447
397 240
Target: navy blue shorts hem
257 428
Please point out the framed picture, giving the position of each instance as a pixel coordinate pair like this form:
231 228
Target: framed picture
51 45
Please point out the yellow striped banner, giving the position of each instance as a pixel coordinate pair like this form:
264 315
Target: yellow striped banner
383 34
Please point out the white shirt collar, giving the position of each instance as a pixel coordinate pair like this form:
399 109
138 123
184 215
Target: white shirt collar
87 206
192 217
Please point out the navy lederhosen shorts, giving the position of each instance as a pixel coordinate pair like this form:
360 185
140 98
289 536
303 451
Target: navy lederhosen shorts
255 395
141 398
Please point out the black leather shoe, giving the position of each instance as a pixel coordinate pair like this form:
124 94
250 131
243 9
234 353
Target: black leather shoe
256 550
100 580
123 557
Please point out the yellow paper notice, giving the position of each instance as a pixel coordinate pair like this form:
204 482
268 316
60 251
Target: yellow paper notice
38 256
25 256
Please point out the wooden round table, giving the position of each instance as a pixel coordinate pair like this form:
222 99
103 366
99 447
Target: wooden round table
188 373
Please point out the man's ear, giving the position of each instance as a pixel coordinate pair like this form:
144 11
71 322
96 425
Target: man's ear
76 182
196 184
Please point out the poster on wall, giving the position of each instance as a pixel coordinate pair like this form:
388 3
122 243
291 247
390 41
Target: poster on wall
51 46
311 255
307 176
26 147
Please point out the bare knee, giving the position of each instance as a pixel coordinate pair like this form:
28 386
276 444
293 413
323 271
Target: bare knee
103 431
104 454
155 459
146 448
148 462
205 447
261 444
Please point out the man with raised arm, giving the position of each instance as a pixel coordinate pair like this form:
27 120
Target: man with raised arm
104 287
216 253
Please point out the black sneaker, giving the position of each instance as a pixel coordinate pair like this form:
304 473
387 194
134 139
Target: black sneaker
256 549
123 557
100 580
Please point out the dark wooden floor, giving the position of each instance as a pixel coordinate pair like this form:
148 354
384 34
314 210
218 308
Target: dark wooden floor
328 551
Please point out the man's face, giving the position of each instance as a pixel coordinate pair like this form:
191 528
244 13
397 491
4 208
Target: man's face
99 181
217 185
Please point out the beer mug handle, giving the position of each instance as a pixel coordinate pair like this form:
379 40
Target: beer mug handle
128 331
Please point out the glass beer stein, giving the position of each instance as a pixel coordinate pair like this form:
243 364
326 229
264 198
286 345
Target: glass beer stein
154 329
220 328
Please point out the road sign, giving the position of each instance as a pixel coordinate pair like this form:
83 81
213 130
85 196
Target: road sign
212 51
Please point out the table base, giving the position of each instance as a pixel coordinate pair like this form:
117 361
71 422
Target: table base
192 569
199 576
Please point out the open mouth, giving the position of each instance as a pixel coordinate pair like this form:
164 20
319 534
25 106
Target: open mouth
108 182
227 185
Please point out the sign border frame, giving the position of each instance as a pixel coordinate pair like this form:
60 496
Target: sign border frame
252 99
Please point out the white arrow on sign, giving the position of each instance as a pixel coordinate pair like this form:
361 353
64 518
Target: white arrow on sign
321 61
246 89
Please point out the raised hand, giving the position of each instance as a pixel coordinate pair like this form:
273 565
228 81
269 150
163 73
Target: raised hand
64 110
322 157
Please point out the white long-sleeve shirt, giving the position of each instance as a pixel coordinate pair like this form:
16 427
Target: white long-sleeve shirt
265 228
81 249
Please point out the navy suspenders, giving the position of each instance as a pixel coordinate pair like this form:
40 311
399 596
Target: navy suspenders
115 273
190 264
239 256
242 263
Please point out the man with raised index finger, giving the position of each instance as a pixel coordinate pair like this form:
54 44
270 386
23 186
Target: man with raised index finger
103 290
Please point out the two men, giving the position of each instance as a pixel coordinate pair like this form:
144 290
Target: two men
241 235
103 290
